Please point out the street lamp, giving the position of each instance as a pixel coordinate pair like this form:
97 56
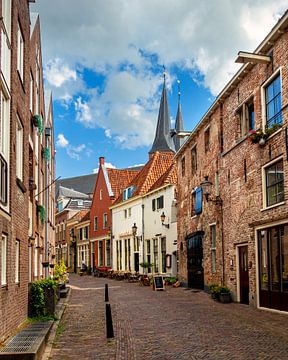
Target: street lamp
206 186
163 217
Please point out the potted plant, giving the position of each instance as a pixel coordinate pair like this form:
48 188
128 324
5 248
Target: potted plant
38 122
146 265
46 153
224 295
214 291
41 210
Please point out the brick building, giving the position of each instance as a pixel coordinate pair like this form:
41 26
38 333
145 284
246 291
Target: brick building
232 171
109 184
19 224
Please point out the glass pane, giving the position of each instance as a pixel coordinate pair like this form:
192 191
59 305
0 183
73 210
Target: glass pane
269 93
278 104
270 110
277 88
280 192
274 259
284 252
270 176
279 171
271 196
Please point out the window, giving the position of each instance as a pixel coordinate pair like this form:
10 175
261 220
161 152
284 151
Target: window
105 219
20 53
158 203
246 117
31 92
129 212
213 247
100 194
80 202
273 102
5 58
4 148
19 149
100 252
108 256
198 201
183 166
4 260
148 254
6 15
274 183
207 139
95 223
17 260
86 232
194 159
156 262
127 193
193 202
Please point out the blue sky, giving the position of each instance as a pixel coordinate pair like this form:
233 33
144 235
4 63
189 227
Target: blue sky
103 63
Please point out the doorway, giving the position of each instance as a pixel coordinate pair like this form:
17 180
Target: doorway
243 274
195 260
136 262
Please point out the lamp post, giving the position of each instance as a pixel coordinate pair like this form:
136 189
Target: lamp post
163 217
136 247
206 186
48 132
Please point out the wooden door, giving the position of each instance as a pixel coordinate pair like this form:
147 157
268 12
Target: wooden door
195 260
244 274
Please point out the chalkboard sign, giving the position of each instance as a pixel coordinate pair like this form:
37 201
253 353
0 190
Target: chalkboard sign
158 283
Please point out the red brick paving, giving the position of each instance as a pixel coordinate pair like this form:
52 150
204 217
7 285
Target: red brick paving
171 324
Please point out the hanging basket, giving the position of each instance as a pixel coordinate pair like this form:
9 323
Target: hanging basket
38 122
46 154
41 210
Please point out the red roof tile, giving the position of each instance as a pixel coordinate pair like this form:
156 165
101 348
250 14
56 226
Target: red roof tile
120 178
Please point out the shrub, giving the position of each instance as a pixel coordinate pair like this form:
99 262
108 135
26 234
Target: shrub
60 271
37 296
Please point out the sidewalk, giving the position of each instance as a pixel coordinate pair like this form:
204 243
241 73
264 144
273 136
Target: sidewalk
174 324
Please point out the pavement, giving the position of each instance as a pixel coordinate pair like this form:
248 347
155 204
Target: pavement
177 323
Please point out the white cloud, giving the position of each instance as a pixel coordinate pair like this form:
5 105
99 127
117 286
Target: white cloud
117 38
57 73
108 165
136 165
62 142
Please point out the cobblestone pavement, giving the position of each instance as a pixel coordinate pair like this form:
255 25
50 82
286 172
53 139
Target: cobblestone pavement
170 324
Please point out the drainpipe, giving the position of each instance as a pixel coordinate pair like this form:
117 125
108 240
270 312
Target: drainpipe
222 243
47 135
143 245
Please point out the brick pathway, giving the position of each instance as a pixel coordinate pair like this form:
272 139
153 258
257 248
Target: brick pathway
175 324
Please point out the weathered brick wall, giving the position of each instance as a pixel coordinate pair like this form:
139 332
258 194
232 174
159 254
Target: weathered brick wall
243 200
14 297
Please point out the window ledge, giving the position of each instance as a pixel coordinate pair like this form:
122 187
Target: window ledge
273 206
274 133
21 185
4 286
194 216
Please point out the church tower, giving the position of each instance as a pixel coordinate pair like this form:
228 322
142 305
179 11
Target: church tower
179 123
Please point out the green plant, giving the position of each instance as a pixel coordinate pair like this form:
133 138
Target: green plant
46 153
41 210
37 120
60 271
224 290
256 135
37 297
146 264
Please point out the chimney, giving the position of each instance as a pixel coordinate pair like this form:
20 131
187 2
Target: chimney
101 160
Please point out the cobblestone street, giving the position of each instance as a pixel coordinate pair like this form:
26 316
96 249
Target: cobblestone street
170 324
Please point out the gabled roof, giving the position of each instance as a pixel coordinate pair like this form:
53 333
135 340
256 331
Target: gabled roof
169 177
81 215
33 19
119 179
159 164
163 140
84 184
70 193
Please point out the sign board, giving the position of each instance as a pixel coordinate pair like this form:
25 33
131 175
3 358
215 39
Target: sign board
158 283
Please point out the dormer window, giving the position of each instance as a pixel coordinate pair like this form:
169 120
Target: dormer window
127 193
80 202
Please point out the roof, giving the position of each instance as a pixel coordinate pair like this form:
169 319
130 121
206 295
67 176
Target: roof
119 179
163 140
178 127
73 204
69 193
158 165
263 48
47 100
169 177
84 184
81 215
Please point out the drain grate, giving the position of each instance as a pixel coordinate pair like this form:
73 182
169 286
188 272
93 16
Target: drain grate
28 339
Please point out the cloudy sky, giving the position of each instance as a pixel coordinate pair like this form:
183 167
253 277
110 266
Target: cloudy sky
103 61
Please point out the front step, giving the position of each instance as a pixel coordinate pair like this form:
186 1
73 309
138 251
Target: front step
28 344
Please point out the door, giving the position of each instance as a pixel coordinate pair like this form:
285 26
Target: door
195 260
136 262
244 274
273 267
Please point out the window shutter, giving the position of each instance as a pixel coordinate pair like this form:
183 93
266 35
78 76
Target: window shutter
161 202
153 205
198 202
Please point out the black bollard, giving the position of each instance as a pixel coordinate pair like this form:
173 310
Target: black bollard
109 323
106 293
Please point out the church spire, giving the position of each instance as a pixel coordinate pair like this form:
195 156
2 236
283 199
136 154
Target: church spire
163 141
179 122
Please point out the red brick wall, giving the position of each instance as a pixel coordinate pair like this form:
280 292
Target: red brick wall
14 297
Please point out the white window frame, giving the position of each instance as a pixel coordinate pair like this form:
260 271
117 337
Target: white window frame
20 52
17 261
19 149
105 216
5 146
6 15
4 260
263 96
264 187
96 227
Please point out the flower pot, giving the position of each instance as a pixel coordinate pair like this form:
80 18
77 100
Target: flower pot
225 298
262 142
